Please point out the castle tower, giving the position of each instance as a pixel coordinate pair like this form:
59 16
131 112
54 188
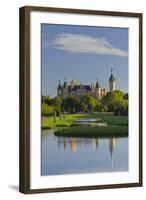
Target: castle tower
97 84
59 89
112 82
65 89
73 83
97 90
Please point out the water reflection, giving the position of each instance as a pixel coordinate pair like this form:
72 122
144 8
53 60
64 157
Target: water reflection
75 143
89 122
63 155
112 146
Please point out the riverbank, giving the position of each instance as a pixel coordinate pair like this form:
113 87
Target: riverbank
48 122
116 125
89 131
65 121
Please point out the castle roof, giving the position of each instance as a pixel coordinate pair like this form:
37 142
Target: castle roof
76 87
112 78
97 84
65 84
87 87
59 86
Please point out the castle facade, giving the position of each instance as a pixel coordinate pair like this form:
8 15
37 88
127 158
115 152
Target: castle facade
73 89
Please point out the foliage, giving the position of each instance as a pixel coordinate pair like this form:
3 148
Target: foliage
87 103
126 96
46 109
71 105
56 102
46 99
68 119
115 102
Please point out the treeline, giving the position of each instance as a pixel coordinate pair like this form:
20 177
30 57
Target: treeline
115 101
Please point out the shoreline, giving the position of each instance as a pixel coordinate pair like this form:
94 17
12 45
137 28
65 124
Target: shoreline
116 126
108 131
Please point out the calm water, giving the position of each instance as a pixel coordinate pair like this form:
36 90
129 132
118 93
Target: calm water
64 155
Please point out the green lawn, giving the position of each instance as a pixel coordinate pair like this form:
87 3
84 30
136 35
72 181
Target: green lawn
115 120
48 122
117 125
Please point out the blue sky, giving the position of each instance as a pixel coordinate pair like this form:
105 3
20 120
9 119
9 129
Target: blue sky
83 53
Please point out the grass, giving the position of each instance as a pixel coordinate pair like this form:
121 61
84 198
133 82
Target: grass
117 125
115 120
48 122
112 131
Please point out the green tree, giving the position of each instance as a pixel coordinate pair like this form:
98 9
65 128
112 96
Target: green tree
82 106
126 96
46 99
122 107
70 104
56 103
91 103
99 107
43 98
88 103
115 102
46 109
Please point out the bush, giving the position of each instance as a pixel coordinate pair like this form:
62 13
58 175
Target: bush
46 109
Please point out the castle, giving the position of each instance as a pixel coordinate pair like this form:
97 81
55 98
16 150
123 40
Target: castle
73 89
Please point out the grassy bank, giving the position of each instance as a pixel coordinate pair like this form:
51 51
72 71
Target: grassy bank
112 131
117 126
115 120
48 122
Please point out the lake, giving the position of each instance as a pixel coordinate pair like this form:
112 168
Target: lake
70 155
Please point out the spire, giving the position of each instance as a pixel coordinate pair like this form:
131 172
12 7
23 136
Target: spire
65 83
97 83
59 85
112 78
111 70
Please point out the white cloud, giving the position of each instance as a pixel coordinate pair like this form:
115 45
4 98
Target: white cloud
78 43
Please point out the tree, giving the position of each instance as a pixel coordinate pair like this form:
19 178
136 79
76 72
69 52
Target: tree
46 99
100 108
45 109
70 104
126 96
87 103
115 102
43 98
123 107
91 102
82 106
56 104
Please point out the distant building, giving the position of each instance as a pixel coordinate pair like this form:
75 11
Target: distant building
112 82
73 89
